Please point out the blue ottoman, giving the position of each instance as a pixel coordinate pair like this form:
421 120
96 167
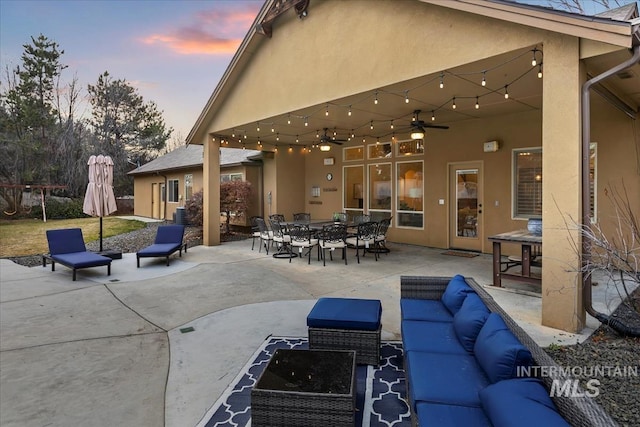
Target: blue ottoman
347 324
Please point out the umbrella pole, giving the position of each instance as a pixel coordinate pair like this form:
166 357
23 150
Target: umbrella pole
100 234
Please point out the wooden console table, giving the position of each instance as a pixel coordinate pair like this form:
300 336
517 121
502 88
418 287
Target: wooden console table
526 240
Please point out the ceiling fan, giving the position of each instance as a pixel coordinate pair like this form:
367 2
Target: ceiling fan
325 139
418 126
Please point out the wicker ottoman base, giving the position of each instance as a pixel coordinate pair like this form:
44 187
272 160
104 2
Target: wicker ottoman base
365 343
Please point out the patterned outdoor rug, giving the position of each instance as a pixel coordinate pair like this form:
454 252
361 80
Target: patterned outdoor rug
380 397
461 254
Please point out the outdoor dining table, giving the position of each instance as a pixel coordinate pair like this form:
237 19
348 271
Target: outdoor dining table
526 240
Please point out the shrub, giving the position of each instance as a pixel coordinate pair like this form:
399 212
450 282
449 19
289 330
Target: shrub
60 209
193 209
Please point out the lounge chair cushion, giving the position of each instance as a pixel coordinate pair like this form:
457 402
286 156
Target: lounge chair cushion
455 293
435 414
431 337
66 240
345 313
81 259
159 249
522 402
424 309
498 351
469 320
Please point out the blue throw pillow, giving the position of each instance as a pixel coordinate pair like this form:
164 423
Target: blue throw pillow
498 351
468 321
455 293
522 402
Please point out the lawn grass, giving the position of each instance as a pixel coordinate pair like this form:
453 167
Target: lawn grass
28 236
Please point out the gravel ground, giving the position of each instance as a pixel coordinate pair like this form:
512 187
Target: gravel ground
618 395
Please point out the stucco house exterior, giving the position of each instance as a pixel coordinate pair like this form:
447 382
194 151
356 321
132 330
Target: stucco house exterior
537 111
166 183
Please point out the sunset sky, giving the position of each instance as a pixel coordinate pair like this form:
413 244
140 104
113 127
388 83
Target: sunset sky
174 52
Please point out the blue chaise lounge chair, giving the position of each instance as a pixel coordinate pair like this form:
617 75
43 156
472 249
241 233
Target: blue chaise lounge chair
168 240
66 246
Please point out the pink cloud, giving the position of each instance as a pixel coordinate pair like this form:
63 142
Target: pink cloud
212 32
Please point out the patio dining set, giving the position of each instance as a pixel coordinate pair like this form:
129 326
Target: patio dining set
300 235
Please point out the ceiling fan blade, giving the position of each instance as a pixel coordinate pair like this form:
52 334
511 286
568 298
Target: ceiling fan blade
427 125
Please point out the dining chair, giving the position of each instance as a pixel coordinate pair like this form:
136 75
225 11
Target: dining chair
302 217
381 236
255 231
282 239
359 219
266 235
277 217
332 237
302 238
365 238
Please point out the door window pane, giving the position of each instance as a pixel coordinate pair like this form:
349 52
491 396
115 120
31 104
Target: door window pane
353 187
527 187
409 189
467 202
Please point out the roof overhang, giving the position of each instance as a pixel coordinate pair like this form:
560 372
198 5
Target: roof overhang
605 30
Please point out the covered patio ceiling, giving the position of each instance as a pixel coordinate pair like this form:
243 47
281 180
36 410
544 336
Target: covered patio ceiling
358 118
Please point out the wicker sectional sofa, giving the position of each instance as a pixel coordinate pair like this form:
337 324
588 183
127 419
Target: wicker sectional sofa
465 361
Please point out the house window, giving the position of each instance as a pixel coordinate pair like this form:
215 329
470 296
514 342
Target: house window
350 154
188 186
172 185
353 190
409 190
228 177
527 183
380 150
410 147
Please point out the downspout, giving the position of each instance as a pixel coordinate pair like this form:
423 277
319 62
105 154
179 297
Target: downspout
614 323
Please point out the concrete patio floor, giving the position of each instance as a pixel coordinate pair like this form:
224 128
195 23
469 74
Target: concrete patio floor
113 350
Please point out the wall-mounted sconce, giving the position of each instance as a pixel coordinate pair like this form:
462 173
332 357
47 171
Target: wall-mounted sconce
315 191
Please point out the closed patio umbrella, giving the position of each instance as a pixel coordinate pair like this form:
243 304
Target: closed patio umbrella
99 199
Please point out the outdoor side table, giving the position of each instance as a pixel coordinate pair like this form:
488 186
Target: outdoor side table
347 324
315 388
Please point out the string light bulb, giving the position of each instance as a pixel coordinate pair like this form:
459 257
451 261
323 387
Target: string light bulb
391 126
441 80
540 71
453 105
477 103
326 111
297 140
375 99
433 115
533 60
484 78
406 97
306 121
289 119
349 113
506 92
258 126
371 125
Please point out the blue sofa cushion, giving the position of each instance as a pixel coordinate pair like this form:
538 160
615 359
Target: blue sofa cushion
522 402
430 337
435 414
158 250
424 309
345 313
468 321
498 351
455 293
81 259
453 379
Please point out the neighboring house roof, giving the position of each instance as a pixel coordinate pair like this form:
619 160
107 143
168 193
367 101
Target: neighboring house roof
192 156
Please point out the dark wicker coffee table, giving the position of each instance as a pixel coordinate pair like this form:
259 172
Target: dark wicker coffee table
306 388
